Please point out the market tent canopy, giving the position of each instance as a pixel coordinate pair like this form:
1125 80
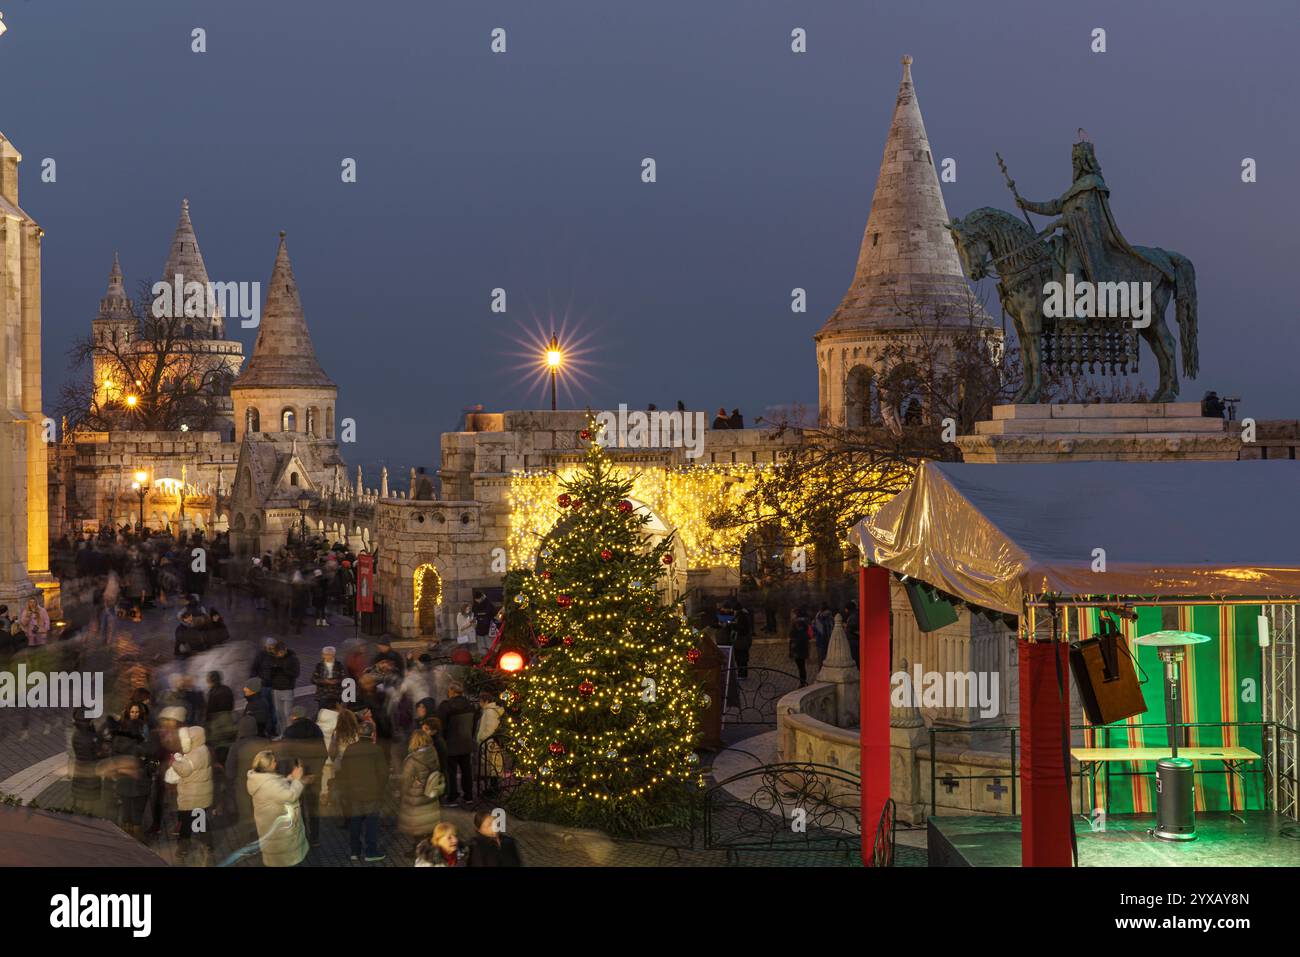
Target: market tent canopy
994 535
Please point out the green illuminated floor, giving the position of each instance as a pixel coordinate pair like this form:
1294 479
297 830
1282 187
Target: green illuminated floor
1222 841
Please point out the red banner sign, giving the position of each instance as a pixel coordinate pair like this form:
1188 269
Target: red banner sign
365 582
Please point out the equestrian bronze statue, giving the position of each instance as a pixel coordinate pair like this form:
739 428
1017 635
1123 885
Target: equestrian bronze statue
1083 258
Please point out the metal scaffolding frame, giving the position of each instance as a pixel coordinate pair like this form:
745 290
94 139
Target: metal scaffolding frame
1279 699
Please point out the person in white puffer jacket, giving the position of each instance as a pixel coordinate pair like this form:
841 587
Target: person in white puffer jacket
276 810
191 769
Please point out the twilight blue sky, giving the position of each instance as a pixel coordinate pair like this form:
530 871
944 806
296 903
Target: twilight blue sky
522 171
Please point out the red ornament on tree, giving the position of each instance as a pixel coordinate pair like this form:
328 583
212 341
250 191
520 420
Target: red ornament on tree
577 503
625 506
606 554
668 558
585 435
564 500
568 641
546 576
564 601
556 748
543 640
693 655
586 689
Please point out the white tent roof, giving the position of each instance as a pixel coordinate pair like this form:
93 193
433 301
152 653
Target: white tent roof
994 535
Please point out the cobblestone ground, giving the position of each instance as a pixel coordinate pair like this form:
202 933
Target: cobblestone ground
27 738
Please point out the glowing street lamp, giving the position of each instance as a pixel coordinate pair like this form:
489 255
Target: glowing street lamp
142 489
554 359
132 401
511 662
304 503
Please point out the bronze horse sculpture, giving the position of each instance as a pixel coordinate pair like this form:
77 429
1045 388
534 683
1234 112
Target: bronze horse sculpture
994 242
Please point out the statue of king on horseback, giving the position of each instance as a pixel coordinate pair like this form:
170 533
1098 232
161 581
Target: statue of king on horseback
1081 247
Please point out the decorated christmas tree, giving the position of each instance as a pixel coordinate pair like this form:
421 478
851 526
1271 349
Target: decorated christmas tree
604 718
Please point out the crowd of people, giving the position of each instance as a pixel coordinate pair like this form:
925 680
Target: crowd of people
387 734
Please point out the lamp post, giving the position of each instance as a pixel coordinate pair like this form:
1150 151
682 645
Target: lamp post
304 503
142 489
554 358
182 498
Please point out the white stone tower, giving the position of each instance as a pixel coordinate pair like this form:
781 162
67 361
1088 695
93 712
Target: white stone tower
284 389
24 500
907 270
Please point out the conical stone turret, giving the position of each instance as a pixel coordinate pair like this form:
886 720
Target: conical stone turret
907 256
908 277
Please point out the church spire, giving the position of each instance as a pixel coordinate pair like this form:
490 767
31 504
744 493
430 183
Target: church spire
115 304
283 355
184 259
907 258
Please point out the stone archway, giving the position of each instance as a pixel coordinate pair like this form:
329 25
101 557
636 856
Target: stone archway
428 600
657 530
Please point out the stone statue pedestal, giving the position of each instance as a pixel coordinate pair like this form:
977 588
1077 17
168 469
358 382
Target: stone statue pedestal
1100 432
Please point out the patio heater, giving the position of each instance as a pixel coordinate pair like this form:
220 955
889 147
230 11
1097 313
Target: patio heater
1175 776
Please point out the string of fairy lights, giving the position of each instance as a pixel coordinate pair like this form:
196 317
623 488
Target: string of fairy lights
687 498
684 497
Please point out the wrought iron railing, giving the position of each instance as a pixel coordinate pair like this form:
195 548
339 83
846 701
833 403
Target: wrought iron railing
785 807
750 695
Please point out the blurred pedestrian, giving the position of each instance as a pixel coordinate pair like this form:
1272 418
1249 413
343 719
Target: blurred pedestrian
303 745
800 638
442 849
284 678
191 772
422 785
360 785
35 622
491 846
457 715
276 811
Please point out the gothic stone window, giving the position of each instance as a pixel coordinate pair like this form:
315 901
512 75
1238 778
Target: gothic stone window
287 421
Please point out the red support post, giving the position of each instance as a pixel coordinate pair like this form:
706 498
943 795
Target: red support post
1046 817
874 665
